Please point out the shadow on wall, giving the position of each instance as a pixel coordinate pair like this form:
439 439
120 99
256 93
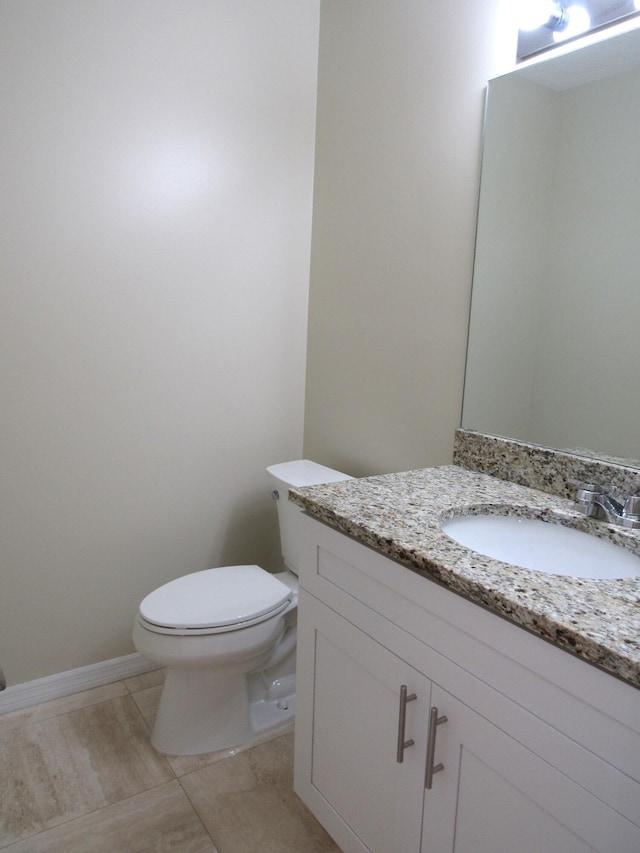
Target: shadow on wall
252 535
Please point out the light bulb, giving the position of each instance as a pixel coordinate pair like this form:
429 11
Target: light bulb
578 21
536 13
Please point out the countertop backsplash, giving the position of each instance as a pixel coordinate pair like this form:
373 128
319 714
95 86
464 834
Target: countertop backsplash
541 468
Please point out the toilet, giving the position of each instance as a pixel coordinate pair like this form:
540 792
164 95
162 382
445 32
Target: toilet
227 637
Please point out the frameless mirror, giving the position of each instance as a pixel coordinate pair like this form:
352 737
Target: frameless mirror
554 340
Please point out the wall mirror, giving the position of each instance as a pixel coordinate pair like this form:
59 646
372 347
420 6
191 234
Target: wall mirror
554 340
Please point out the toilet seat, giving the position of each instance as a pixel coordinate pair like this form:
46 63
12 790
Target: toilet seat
214 601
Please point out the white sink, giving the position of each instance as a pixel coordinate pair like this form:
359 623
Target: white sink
542 546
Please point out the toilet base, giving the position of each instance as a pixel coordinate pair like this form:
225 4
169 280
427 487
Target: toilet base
272 699
200 712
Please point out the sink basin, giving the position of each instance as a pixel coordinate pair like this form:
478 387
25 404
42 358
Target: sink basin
544 547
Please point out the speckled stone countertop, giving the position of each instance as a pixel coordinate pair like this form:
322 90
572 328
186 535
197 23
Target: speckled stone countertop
400 515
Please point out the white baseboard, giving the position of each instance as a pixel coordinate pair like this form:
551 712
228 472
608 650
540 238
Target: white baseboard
74 681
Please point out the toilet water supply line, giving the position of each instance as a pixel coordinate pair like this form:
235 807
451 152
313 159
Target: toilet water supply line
3 680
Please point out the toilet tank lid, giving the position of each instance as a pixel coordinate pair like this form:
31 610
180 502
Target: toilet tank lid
304 472
215 598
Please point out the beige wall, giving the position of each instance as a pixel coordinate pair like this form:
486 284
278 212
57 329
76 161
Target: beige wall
156 177
156 188
400 104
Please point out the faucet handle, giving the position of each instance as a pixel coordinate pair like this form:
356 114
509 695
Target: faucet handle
586 498
586 491
580 484
618 494
631 506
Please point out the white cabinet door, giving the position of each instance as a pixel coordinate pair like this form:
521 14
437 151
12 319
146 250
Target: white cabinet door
356 720
495 796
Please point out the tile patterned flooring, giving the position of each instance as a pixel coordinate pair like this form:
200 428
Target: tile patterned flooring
79 775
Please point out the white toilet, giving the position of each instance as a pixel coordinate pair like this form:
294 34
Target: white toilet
227 637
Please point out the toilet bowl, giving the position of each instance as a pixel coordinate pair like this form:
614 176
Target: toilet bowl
227 637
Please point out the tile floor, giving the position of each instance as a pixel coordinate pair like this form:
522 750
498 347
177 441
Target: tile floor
79 775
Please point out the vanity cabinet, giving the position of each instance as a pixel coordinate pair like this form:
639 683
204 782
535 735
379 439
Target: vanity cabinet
355 723
372 635
496 795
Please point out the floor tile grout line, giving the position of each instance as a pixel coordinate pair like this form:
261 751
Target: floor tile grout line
196 812
173 776
29 720
141 676
85 815
54 826
209 829
149 729
103 807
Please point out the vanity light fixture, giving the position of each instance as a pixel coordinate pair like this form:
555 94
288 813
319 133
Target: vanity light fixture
564 21
576 20
540 13
544 23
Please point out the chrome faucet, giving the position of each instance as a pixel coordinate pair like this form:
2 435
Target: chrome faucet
610 505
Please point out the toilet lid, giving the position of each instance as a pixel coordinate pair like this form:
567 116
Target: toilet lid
216 598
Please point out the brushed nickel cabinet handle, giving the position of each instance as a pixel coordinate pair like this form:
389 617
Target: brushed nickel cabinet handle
434 722
402 719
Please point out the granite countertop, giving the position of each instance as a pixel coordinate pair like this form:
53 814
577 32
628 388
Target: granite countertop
399 515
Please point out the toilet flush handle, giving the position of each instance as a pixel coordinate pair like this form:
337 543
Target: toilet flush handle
275 495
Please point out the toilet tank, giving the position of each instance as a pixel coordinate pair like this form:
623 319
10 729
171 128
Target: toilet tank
289 475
